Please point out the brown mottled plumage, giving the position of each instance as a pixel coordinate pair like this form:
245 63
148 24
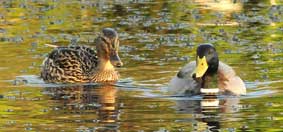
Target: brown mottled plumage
78 63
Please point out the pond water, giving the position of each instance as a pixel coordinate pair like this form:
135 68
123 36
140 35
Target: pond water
157 38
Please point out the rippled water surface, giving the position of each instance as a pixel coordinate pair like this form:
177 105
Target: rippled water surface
157 38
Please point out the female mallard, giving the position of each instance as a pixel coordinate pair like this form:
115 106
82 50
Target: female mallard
200 73
76 63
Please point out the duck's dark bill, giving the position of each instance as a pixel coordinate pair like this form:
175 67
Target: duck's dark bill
115 60
201 68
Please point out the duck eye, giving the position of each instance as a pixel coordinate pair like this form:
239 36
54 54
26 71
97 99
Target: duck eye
210 51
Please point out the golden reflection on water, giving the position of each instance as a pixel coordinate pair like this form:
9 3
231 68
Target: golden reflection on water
97 100
226 6
223 8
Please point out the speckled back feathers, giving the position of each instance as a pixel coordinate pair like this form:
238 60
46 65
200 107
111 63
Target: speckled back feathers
69 64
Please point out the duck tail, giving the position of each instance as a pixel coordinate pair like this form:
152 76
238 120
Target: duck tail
51 45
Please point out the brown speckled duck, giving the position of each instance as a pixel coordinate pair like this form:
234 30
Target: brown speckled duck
202 72
81 64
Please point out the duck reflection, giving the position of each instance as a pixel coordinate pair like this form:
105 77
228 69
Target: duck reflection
87 99
207 111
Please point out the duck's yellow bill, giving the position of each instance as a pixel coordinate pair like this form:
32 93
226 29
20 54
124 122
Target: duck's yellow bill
201 68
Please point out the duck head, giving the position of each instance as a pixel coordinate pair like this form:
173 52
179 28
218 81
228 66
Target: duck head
107 46
206 63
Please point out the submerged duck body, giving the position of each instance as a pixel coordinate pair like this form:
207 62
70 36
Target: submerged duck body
77 63
199 74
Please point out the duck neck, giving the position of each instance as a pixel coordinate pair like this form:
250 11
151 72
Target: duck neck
105 65
208 81
210 77
105 72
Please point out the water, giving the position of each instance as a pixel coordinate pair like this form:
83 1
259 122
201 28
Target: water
157 38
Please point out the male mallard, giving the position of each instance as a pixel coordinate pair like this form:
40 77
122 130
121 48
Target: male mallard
76 63
200 73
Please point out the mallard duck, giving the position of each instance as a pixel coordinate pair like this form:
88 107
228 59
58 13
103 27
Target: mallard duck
202 72
77 63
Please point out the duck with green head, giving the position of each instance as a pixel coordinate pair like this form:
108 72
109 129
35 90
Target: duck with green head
202 72
78 63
